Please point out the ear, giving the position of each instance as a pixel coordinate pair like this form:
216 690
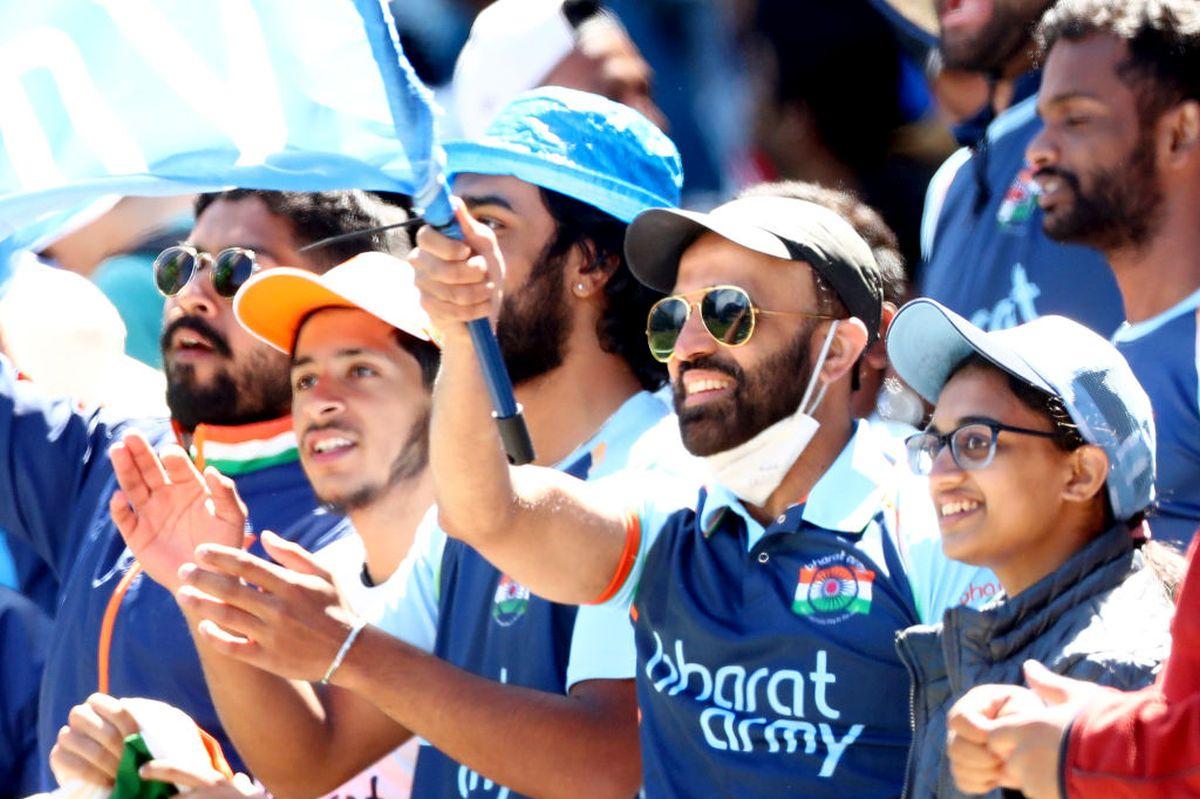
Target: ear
849 341
876 356
1089 471
1181 128
586 274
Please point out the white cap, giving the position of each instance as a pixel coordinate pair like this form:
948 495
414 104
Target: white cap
63 333
513 46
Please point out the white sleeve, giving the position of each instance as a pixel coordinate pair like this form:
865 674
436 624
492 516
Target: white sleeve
410 611
602 645
938 583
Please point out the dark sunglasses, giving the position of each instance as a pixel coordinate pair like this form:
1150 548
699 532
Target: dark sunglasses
175 267
726 311
972 446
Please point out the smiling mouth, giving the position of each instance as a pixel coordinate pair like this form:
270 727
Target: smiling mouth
957 509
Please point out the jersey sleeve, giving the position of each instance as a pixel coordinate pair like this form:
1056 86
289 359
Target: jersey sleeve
411 611
48 450
938 583
602 646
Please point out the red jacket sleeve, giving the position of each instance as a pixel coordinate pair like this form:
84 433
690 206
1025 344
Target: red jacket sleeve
1147 743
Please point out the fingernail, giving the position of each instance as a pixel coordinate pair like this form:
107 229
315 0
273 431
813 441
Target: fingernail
186 570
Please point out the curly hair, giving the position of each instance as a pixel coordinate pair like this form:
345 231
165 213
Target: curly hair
601 238
319 215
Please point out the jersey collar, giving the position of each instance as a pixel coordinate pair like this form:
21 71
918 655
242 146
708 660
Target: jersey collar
240 449
847 497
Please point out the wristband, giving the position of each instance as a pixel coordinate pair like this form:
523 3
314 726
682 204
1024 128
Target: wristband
341 653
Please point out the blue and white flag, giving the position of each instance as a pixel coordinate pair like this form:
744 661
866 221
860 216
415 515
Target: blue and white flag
160 97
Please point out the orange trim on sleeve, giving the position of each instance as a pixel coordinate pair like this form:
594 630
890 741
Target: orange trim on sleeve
110 621
633 542
215 753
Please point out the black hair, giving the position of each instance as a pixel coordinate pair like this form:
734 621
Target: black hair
319 215
1163 37
601 239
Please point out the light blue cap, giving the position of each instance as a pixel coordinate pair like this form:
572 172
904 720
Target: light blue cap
582 145
928 341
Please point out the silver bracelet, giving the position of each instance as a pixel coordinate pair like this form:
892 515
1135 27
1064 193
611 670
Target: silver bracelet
341 654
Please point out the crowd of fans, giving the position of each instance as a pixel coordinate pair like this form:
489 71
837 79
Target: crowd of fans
865 466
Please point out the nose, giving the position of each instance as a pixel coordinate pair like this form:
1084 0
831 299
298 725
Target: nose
322 402
694 340
198 297
1040 152
944 473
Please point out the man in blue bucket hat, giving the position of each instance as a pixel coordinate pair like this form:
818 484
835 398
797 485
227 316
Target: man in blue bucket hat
522 696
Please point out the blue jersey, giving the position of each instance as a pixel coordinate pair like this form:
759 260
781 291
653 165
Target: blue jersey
990 260
462 608
766 656
24 635
54 490
1162 352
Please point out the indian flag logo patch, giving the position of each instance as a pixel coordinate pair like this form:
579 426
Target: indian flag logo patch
833 588
510 601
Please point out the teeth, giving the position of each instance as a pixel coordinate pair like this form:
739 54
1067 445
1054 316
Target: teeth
696 386
951 508
327 444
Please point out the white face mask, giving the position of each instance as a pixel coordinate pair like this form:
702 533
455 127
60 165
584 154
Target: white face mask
754 469
899 403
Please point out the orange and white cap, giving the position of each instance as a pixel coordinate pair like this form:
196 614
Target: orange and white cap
273 303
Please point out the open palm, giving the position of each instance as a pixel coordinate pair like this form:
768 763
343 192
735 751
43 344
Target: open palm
166 508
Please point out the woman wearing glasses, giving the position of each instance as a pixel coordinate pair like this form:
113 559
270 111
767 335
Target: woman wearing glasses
1040 457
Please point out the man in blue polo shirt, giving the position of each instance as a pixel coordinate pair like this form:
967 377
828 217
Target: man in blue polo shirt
521 696
118 631
764 605
984 253
1118 163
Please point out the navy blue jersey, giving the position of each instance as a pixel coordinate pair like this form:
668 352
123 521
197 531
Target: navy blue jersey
766 657
1162 352
54 490
24 635
990 260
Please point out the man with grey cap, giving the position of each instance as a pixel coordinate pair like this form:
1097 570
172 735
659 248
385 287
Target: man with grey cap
764 604
1040 457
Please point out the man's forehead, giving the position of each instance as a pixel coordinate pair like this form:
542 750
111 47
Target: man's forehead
712 259
1085 66
335 329
246 222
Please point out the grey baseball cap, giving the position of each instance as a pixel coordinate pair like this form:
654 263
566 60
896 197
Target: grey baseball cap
927 342
783 227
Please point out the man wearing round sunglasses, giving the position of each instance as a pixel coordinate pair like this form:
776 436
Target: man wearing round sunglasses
118 631
1040 458
764 606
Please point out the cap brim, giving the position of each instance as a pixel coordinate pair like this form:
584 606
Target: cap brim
927 342
273 303
658 237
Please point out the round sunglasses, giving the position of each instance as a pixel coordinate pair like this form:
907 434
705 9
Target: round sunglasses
727 312
972 446
175 267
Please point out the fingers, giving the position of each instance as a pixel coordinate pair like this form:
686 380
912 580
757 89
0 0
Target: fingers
227 505
293 556
225 600
1051 688
146 462
974 767
178 466
128 476
239 563
114 713
124 517
441 246
91 744
67 766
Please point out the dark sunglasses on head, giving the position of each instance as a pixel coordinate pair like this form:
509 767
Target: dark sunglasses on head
175 267
726 311
972 446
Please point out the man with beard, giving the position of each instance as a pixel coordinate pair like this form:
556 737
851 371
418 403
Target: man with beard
117 631
513 694
985 255
1118 163
765 605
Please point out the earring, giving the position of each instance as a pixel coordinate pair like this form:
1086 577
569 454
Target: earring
580 288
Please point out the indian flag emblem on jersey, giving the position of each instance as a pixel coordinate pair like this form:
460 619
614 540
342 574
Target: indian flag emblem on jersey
833 589
510 602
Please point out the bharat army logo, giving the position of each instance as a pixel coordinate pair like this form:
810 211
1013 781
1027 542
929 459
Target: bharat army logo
510 602
1020 201
833 588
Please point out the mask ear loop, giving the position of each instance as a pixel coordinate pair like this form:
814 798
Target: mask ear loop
814 379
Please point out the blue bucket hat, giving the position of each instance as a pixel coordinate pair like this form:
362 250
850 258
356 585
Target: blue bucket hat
582 145
927 342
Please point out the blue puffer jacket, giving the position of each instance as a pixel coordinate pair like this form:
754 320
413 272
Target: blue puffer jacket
1103 616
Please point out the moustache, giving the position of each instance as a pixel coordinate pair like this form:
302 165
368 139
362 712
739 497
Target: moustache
319 426
1054 172
197 325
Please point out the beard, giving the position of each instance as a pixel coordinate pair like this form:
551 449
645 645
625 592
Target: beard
1122 209
534 322
996 42
256 391
408 463
759 399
